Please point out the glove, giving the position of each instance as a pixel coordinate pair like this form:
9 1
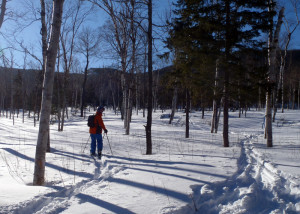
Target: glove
105 131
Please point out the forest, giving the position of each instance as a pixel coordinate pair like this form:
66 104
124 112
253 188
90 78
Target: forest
103 87
223 55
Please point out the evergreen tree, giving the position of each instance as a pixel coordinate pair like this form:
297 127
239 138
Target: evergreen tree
223 30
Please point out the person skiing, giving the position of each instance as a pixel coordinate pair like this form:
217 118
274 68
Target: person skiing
96 132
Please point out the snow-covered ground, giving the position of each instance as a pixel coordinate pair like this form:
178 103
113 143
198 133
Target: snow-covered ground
195 175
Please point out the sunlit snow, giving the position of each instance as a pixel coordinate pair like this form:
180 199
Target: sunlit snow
195 175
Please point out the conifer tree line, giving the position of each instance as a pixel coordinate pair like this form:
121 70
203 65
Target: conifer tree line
220 51
224 55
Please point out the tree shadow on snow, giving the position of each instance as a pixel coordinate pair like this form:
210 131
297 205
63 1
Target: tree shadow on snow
104 204
171 168
163 191
10 144
276 146
68 154
59 168
158 162
169 174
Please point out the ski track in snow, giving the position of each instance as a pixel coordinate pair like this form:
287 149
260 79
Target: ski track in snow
256 187
56 202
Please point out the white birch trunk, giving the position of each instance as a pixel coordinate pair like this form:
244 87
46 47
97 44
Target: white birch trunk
39 170
215 106
273 45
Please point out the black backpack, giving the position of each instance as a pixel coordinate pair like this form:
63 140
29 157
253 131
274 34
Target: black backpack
91 120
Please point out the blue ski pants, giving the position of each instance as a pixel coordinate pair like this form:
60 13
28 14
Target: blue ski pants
96 138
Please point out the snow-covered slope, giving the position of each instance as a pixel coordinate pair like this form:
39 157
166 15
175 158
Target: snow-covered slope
195 175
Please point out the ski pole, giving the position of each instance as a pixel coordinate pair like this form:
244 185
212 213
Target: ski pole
109 145
86 144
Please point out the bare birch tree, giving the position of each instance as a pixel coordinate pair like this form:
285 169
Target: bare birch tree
120 40
40 156
2 13
88 42
74 18
290 30
272 50
133 37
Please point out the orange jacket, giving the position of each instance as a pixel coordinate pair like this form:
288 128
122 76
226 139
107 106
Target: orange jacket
99 124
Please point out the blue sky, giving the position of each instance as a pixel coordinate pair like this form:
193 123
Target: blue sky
31 34
292 19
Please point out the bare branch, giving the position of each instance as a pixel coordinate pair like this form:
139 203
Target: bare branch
3 8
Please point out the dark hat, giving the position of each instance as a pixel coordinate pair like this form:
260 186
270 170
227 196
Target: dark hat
100 108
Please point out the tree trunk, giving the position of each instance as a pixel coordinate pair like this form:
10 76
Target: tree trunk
282 66
226 77
150 99
48 143
156 80
133 35
144 97
225 113
187 114
44 35
213 119
76 100
39 170
215 106
58 91
84 84
133 66
290 95
3 9
273 45
123 88
293 97
65 85
128 111
276 94
268 122
23 93
174 104
259 97
125 104
44 52
112 95
11 112
137 105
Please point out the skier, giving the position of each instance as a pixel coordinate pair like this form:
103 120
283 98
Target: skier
96 132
